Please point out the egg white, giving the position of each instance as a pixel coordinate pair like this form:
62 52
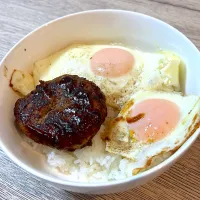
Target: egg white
22 82
160 72
142 153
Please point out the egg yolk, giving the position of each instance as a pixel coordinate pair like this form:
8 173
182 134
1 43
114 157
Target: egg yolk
153 119
111 62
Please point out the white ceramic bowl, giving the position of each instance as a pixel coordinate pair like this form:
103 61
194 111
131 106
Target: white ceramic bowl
135 29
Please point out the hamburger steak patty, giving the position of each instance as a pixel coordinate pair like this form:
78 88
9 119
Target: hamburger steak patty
64 113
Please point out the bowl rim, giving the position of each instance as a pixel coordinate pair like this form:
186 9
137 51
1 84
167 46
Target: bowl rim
149 172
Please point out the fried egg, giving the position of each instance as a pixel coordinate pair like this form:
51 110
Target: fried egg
119 71
152 123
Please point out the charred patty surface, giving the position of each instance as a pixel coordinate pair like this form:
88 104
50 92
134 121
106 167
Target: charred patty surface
64 113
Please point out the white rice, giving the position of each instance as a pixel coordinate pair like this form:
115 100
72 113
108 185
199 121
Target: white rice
91 163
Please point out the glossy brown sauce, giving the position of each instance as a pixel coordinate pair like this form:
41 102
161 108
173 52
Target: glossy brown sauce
135 118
